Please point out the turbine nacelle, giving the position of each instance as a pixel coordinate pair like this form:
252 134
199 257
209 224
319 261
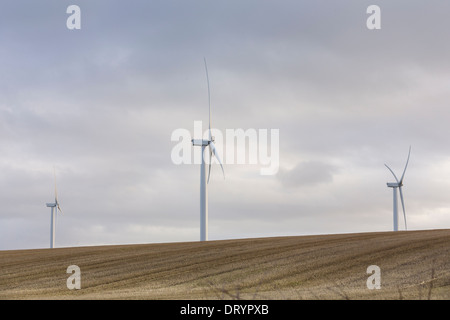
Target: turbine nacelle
51 205
394 184
201 142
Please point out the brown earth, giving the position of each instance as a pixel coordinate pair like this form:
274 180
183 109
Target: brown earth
413 264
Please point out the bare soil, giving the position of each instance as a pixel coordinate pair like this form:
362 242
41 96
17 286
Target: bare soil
413 264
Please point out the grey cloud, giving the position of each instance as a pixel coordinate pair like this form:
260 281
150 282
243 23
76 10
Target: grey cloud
101 103
307 174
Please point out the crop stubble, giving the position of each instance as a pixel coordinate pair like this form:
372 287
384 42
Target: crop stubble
414 265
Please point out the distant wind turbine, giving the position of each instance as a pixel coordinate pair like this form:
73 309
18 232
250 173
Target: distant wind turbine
203 182
398 185
55 207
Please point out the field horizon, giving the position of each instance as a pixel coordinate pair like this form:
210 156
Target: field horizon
413 264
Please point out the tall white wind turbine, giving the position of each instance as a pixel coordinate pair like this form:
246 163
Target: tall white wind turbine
55 207
203 181
398 185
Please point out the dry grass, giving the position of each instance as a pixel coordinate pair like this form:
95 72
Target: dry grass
414 265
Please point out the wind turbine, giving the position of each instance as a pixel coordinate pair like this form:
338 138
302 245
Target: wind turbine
398 185
203 182
55 207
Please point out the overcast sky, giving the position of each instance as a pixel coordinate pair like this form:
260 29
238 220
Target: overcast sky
100 104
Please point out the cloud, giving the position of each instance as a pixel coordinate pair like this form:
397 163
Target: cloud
101 103
307 174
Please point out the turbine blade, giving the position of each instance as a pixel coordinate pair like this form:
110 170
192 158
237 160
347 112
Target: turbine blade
403 206
209 167
56 191
409 153
209 98
392 173
215 153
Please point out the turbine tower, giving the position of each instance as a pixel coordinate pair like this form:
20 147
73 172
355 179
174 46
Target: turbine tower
55 207
203 181
398 185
